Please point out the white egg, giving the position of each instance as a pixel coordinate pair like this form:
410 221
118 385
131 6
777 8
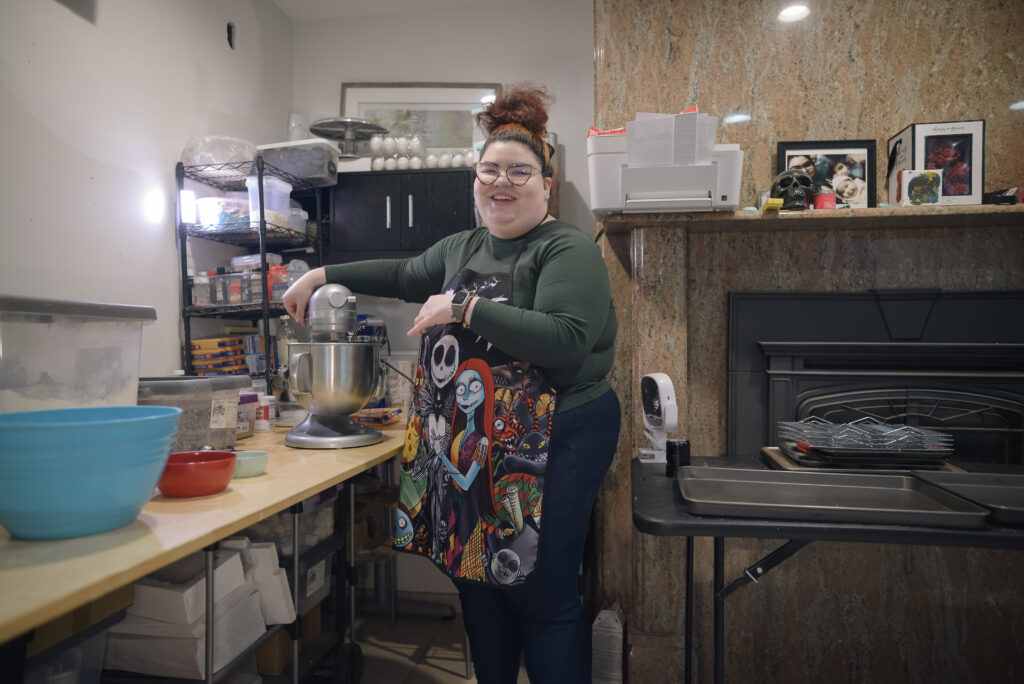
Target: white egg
403 162
457 160
416 145
376 142
431 161
415 163
444 161
469 157
402 145
390 164
388 147
378 163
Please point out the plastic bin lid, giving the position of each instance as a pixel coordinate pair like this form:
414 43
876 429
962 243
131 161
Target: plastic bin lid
150 387
218 382
61 307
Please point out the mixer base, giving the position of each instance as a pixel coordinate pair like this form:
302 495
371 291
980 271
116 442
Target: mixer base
331 432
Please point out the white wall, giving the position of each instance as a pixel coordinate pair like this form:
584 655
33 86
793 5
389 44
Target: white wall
543 42
540 41
95 108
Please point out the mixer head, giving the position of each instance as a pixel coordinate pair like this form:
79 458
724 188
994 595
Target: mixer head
331 314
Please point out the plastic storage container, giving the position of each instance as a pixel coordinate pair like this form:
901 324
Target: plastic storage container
223 405
276 194
297 219
247 262
81 663
194 396
223 213
313 160
62 354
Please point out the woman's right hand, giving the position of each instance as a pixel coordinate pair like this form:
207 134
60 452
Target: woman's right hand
297 296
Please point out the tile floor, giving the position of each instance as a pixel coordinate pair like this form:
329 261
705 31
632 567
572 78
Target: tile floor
416 650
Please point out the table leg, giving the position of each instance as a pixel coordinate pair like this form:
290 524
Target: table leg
688 661
719 570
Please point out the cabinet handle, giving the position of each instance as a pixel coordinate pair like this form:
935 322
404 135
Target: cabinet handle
388 219
410 211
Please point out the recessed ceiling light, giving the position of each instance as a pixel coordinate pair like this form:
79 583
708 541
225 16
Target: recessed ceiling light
1017 105
736 118
794 13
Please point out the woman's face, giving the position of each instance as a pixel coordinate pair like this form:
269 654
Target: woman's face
510 210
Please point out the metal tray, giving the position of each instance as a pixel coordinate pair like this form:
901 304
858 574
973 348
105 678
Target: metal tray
1002 494
848 497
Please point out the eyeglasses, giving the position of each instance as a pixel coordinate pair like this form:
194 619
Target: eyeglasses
517 174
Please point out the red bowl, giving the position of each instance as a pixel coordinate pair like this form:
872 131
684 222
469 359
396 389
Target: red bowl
197 473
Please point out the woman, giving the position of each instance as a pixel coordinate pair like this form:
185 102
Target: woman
529 296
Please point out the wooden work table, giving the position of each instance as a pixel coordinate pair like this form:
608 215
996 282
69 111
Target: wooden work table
40 580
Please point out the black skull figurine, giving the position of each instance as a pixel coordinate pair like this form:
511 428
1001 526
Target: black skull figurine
795 188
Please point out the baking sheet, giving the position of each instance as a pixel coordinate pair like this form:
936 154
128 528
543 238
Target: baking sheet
846 497
1002 494
777 459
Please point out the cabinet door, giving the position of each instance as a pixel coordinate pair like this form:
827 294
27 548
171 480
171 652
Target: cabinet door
434 205
366 213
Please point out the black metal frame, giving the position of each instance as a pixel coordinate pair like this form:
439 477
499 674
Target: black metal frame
231 176
659 509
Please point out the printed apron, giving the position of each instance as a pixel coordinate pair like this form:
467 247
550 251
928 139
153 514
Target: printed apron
475 453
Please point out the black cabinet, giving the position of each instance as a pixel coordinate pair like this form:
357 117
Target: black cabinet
397 213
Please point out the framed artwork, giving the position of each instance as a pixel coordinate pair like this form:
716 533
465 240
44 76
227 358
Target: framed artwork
954 149
441 114
845 166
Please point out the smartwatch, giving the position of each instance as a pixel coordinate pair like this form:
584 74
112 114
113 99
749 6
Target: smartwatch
459 303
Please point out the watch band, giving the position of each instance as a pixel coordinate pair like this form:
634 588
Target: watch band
459 303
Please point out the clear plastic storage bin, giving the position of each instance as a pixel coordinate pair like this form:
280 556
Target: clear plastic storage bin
62 354
194 396
276 194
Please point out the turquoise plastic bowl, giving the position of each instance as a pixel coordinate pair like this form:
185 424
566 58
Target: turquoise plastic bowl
78 471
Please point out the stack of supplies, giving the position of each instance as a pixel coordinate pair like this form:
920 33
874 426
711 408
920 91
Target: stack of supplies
218 356
164 632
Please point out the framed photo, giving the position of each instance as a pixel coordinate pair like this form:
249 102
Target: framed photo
845 166
956 148
441 114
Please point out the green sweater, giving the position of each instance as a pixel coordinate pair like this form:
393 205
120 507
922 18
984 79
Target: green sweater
561 316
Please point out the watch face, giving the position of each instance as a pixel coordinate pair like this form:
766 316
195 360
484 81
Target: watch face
460 297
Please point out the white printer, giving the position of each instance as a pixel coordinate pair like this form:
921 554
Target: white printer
664 163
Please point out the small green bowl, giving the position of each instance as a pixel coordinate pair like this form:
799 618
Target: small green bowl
251 463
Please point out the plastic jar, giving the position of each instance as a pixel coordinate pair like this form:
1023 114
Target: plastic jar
265 418
277 282
201 289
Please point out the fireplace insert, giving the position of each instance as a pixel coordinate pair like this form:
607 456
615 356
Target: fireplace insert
949 361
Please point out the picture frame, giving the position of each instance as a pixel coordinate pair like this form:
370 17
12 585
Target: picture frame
845 166
956 148
441 114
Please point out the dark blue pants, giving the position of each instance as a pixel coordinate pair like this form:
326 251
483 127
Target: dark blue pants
543 618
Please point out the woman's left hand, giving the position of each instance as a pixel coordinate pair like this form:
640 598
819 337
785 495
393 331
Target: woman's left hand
435 311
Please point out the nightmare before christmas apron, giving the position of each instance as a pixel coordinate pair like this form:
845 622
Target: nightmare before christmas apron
475 453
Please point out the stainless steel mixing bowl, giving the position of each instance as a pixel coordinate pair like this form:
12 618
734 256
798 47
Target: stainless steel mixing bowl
333 378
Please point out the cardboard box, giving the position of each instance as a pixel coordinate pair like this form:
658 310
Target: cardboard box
177 593
149 646
67 625
955 147
919 187
275 654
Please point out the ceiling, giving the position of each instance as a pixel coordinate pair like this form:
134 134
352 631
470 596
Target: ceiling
315 10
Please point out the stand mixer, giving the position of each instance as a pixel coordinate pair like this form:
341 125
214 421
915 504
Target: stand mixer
334 375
